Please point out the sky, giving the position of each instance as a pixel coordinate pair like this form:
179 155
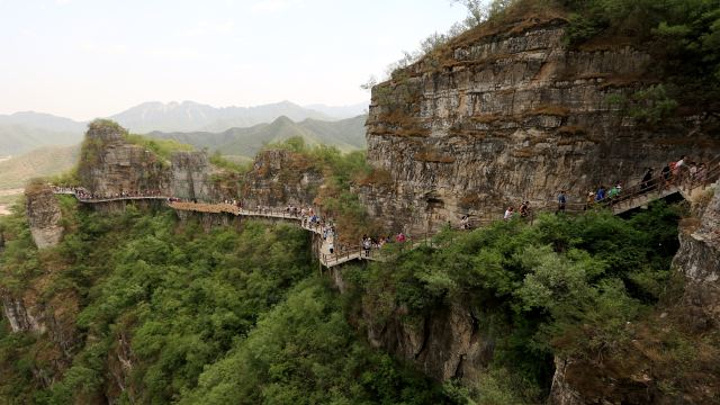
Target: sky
83 59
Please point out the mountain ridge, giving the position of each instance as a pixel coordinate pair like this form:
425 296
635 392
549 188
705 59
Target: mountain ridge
346 135
24 131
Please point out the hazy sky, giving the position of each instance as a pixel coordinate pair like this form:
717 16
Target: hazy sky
88 58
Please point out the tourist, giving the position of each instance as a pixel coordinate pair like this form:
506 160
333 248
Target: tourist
693 170
646 182
525 210
366 245
614 192
509 213
600 195
464 222
666 174
562 201
400 238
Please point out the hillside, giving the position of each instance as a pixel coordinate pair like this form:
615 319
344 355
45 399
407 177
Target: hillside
24 131
45 161
346 135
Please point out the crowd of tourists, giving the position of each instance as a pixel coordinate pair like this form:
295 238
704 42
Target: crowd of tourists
372 243
83 194
679 173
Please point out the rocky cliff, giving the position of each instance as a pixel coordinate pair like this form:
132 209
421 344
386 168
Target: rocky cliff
43 213
280 177
498 117
190 177
699 261
111 165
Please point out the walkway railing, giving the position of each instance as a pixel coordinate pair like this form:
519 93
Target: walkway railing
661 186
656 188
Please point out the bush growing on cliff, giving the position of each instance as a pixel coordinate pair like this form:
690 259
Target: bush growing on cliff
164 148
563 287
682 35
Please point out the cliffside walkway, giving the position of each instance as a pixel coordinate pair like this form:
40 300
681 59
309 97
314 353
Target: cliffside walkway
631 198
327 259
661 187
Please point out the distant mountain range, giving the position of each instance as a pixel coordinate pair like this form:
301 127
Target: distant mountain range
238 143
346 135
24 131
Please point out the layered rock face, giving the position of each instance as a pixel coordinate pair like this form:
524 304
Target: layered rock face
699 260
495 120
445 344
43 213
281 177
109 165
191 175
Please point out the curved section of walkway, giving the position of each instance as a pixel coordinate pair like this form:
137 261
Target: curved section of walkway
633 197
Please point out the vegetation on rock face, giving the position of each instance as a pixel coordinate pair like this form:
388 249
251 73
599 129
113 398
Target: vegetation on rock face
682 35
336 197
158 302
239 316
564 287
161 147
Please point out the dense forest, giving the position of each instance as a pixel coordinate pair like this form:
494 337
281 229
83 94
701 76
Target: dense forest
247 302
241 314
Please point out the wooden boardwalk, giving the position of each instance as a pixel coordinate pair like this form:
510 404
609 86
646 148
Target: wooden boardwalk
632 198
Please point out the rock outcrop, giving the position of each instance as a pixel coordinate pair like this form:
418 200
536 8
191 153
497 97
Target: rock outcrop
21 318
281 177
699 260
44 215
191 176
493 120
444 344
110 165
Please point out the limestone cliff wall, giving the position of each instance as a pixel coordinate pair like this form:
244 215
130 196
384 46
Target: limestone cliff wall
699 260
444 344
43 213
498 119
281 177
190 177
109 165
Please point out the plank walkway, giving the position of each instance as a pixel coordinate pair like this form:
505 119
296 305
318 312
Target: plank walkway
632 198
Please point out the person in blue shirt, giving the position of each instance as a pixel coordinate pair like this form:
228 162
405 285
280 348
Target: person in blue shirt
600 195
562 201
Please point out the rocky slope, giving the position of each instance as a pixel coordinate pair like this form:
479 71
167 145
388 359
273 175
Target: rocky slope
111 165
699 261
513 114
280 177
43 213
